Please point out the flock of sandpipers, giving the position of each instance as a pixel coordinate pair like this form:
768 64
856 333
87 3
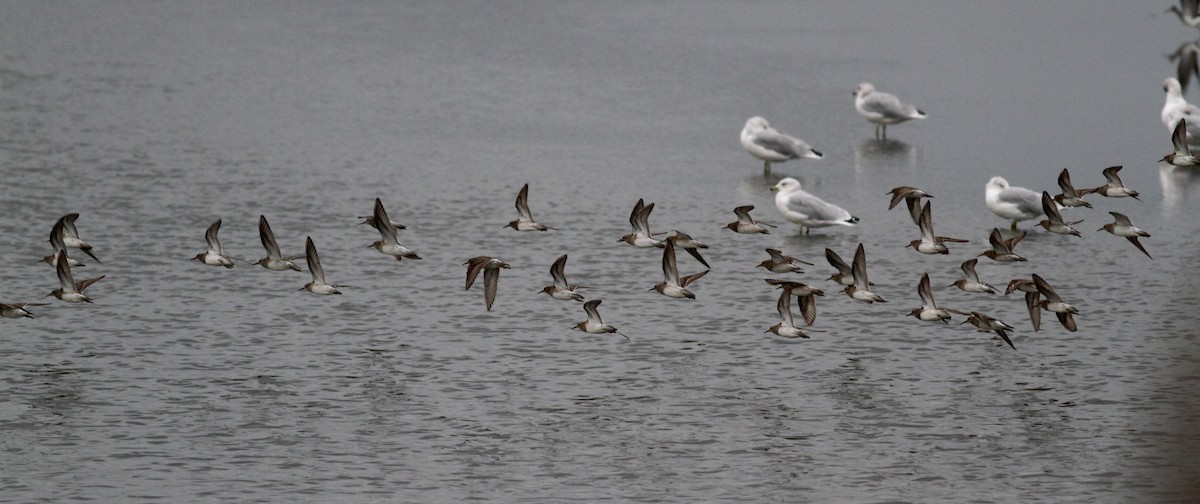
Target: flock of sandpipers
793 203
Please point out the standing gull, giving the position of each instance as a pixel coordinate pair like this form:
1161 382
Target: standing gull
318 285
882 108
1012 203
214 256
1124 227
593 324
746 224
763 142
525 222
807 210
1176 108
561 289
491 276
274 260
388 242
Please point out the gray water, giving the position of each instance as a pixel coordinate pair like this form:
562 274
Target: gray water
187 383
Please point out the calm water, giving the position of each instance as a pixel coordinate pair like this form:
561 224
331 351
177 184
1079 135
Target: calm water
186 383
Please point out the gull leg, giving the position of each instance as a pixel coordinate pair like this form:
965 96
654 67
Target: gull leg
1014 225
766 168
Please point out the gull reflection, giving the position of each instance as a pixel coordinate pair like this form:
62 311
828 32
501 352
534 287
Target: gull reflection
1179 188
883 153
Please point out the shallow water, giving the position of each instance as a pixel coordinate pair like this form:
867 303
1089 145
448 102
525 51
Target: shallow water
190 383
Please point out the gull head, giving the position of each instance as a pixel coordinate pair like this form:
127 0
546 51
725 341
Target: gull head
1172 87
756 123
864 89
786 185
997 183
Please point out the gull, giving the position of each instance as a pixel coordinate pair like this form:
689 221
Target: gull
686 242
1012 203
986 323
1124 227
779 263
318 284
786 326
746 224
561 289
1188 12
1055 304
214 256
912 197
1114 188
1182 154
68 289
639 219
593 324
274 260
1002 250
763 142
1184 68
17 310
672 285
1069 196
56 244
929 310
71 236
1032 299
882 108
970 281
845 274
858 269
491 276
805 295
1176 108
928 243
525 222
807 210
1054 222
388 242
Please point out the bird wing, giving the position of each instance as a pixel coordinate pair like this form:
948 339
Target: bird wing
268 238
557 272
314 261
523 203
210 236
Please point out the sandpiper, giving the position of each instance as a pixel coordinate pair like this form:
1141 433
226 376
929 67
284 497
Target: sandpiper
491 276
1055 304
388 242
912 197
17 310
928 243
765 143
274 260
672 285
746 224
805 295
639 219
1032 299
779 263
318 284
1002 250
525 222
882 108
1069 196
214 256
1124 227
561 289
929 310
860 289
1054 222
1182 154
71 236
786 326
970 281
68 289
986 323
845 274
1113 188
56 244
593 324
686 242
